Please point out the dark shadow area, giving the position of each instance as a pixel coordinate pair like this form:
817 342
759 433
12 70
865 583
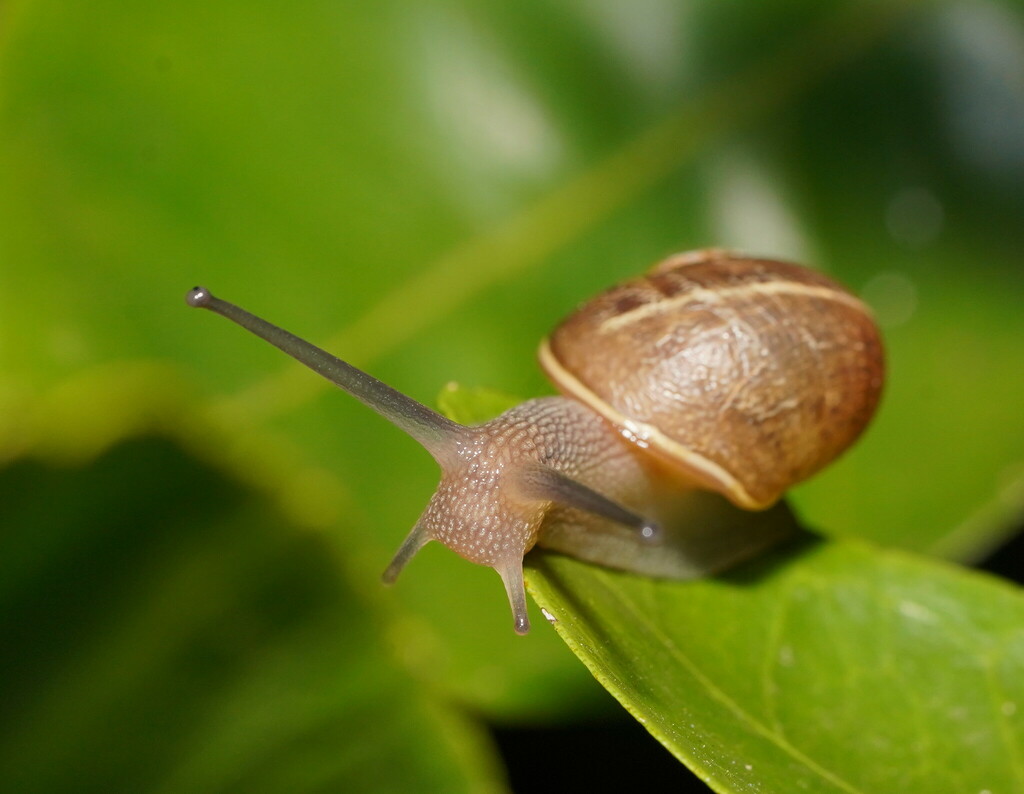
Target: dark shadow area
799 543
1007 560
610 754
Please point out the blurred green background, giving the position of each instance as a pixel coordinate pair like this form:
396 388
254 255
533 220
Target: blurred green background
193 528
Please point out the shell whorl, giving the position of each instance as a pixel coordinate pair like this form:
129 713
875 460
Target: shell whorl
747 374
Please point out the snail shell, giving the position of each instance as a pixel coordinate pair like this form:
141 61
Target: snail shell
749 375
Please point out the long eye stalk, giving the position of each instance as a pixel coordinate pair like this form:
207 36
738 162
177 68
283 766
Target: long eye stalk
434 431
542 482
441 437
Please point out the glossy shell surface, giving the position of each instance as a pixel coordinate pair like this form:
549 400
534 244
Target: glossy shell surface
747 375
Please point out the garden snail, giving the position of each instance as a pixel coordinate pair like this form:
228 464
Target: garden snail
714 373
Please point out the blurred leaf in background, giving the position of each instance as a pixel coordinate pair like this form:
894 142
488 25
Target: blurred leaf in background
166 631
426 188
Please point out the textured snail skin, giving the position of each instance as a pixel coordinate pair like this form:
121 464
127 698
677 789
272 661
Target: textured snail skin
477 509
749 375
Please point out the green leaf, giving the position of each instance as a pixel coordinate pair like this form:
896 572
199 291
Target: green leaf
426 188
473 406
166 629
828 667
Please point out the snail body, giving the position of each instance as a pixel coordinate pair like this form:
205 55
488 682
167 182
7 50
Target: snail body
714 379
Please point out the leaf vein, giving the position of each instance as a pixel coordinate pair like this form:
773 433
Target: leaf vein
717 693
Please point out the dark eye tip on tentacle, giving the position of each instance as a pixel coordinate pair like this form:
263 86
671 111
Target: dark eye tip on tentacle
651 532
198 297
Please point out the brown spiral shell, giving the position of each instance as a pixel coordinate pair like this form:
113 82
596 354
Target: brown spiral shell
748 375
